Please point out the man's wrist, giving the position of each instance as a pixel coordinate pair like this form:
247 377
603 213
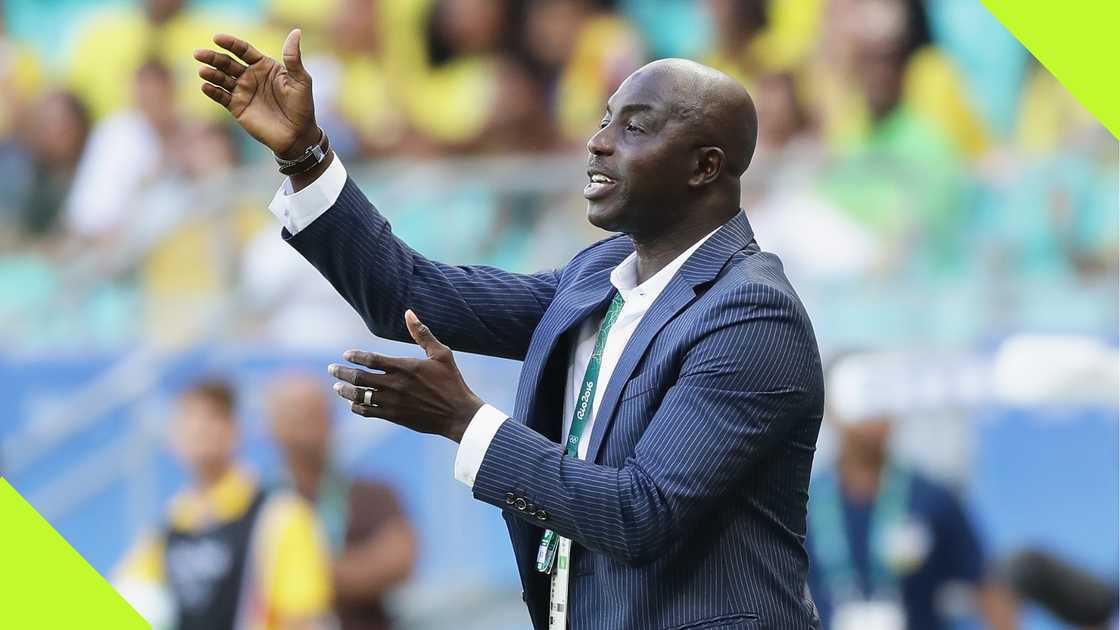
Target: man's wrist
307 139
305 179
459 425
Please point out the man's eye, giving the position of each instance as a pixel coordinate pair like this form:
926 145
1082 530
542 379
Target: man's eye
603 123
633 128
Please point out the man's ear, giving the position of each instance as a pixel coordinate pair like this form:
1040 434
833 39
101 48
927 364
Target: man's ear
710 162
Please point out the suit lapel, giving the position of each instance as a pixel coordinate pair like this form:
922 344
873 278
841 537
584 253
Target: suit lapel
570 308
703 266
677 294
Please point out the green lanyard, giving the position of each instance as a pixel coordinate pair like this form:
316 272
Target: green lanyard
546 553
830 536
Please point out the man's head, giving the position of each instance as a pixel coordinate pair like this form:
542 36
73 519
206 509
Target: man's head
154 93
857 403
301 416
205 434
674 141
884 42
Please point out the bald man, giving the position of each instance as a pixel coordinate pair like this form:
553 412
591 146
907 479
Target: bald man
372 543
654 470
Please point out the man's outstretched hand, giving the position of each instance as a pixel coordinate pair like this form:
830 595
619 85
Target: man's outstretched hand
425 395
272 101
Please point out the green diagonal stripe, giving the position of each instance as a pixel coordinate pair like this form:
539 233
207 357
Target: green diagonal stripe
1077 42
44 583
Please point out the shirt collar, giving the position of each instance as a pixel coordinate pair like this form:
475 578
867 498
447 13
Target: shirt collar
625 276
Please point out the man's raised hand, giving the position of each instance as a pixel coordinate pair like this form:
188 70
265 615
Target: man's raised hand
270 100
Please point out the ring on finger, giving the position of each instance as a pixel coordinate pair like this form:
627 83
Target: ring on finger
368 398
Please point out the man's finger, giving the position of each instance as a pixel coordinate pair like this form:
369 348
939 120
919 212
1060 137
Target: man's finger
221 61
361 378
364 395
218 78
365 411
376 361
239 47
293 60
424 338
217 94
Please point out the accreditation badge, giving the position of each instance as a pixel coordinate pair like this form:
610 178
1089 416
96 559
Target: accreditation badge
875 614
905 546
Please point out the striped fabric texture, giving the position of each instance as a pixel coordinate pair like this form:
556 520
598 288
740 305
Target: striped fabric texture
689 510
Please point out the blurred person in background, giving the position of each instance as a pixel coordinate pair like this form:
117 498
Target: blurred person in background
452 91
815 237
736 49
581 52
196 223
890 549
372 542
52 140
126 151
112 44
362 105
229 554
20 81
894 169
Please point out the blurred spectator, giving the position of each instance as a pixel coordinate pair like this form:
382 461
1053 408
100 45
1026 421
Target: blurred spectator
587 52
195 233
371 539
897 172
125 152
356 101
453 90
230 555
814 236
20 77
738 24
116 41
56 136
889 548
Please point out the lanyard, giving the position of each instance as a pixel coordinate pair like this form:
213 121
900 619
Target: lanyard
550 542
831 540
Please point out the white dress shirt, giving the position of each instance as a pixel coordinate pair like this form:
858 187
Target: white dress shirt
297 210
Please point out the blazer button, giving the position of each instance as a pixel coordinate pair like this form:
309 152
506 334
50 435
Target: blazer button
542 515
531 509
509 498
520 503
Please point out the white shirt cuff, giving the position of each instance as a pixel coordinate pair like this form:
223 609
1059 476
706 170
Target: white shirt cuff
476 439
297 210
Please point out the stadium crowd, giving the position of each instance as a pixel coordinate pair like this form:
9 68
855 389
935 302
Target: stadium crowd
901 141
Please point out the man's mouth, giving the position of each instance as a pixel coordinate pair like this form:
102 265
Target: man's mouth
599 186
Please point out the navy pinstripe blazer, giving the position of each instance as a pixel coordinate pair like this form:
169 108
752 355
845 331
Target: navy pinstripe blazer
689 511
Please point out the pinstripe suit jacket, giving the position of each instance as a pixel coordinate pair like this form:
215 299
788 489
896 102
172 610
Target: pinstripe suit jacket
689 511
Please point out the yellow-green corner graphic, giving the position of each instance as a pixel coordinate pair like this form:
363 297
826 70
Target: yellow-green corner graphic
1076 41
44 583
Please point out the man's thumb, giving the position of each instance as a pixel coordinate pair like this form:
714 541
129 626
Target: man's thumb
422 335
293 61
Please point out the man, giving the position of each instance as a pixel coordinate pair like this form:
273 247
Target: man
229 555
887 544
372 542
673 361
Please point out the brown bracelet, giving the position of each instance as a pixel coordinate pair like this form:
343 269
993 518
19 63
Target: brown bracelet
311 157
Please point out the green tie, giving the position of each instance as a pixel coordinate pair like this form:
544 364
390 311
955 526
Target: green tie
546 553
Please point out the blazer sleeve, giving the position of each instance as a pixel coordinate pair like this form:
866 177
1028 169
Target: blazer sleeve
477 309
752 377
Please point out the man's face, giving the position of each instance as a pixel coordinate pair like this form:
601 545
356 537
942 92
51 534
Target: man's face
639 159
205 438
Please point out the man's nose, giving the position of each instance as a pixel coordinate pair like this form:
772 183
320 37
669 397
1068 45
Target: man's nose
600 144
